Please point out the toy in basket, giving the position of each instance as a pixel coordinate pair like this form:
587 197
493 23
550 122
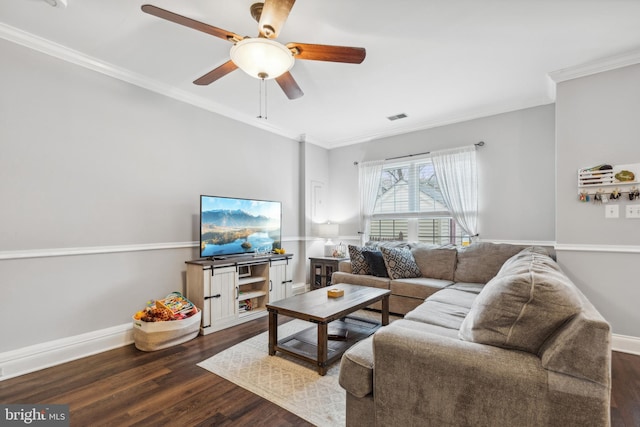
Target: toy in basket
166 322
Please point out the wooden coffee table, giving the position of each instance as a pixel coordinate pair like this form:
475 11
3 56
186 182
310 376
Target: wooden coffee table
330 314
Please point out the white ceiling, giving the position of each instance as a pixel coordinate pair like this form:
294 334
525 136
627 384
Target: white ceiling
436 61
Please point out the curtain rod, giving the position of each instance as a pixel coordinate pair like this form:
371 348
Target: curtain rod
477 144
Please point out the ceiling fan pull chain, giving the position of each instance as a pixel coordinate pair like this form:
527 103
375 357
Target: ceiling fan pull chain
260 83
263 103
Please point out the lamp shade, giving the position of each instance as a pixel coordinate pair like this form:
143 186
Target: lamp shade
328 230
262 58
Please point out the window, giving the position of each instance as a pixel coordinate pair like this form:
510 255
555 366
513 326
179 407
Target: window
410 206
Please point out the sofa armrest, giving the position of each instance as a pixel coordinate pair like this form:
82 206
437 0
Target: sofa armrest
422 376
345 266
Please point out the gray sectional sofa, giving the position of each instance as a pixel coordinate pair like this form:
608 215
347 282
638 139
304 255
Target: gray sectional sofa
503 338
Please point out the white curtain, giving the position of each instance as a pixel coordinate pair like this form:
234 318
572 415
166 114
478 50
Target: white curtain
369 174
458 179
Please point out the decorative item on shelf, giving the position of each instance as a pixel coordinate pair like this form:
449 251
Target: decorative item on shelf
340 251
608 184
625 176
596 175
328 231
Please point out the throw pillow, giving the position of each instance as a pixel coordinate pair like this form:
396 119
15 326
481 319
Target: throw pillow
359 265
400 263
376 263
522 306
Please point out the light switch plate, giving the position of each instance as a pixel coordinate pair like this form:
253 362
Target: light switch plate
611 211
633 211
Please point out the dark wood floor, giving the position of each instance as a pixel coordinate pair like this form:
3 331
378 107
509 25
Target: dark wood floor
124 387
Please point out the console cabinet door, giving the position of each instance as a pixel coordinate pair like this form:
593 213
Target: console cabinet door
221 296
280 283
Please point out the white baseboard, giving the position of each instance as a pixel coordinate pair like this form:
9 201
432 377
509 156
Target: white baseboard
40 356
299 288
626 344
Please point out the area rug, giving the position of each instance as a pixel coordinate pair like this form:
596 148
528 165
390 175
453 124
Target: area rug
292 384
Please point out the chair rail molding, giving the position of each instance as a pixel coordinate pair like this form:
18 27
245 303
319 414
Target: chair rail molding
578 247
92 250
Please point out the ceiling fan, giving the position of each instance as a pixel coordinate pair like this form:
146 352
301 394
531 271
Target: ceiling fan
263 57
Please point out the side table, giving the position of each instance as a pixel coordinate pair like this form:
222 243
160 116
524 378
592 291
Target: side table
321 270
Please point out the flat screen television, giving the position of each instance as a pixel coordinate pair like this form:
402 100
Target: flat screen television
232 226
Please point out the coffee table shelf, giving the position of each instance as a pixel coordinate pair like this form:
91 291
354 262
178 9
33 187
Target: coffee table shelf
304 344
313 345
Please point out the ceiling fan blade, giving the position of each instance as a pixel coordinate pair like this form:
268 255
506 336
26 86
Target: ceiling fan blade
289 86
216 73
274 14
322 52
191 23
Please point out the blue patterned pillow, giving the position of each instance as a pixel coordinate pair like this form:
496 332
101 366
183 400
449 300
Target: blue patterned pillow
359 265
400 263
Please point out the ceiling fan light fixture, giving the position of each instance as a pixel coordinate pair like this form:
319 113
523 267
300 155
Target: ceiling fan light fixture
262 58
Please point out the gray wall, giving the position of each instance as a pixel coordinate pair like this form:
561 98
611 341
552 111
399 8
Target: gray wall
597 122
515 171
90 161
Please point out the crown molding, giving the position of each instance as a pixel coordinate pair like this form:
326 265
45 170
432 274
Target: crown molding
59 51
594 67
55 50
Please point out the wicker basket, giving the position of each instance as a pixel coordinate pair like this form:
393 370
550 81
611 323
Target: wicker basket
151 336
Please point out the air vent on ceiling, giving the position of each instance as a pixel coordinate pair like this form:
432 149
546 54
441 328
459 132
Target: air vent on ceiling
397 117
57 3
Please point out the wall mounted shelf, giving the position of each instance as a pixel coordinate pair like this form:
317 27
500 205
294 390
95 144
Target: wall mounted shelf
592 182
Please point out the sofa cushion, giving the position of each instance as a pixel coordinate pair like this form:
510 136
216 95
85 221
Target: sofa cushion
360 279
522 306
474 288
390 244
357 364
435 262
376 263
454 297
419 287
400 263
445 312
359 265
480 262
519 263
